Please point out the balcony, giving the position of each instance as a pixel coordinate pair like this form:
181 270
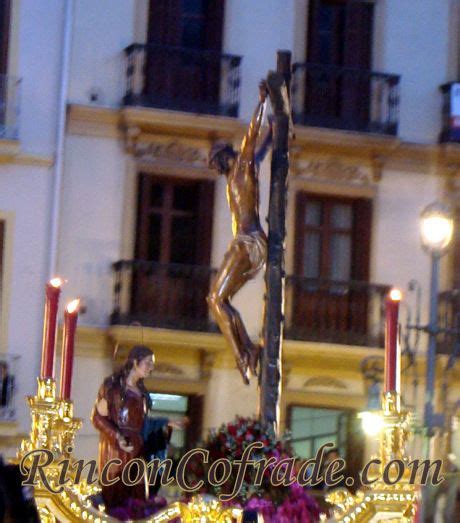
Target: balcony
8 372
173 296
345 98
350 313
9 107
182 79
449 320
450 112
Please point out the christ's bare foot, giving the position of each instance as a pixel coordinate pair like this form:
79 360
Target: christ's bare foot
242 364
254 356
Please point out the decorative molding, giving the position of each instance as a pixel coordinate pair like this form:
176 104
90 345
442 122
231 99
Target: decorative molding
207 362
173 151
167 368
334 170
325 381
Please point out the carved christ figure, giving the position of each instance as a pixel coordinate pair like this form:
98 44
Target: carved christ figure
247 252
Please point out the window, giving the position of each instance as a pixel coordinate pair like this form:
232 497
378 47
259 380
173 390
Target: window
173 247
174 220
312 427
174 407
339 43
183 63
177 407
332 238
4 34
331 263
192 24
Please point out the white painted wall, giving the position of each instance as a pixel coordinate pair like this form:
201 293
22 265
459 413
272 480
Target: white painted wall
91 222
256 30
24 194
39 33
102 30
415 43
397 255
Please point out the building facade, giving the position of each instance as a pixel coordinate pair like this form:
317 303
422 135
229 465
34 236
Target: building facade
109 111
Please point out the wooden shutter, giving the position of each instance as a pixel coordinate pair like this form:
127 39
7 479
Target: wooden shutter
350 36
358 35
205 222
4 34
214 25
165 22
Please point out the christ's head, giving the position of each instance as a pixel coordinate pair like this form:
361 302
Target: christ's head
221 157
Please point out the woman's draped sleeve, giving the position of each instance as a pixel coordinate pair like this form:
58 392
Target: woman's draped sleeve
103 423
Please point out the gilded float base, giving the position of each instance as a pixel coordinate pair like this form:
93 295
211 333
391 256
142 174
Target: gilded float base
383 502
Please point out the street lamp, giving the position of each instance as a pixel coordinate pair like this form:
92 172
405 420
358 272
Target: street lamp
436 226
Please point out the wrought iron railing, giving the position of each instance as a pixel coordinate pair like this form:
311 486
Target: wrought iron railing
182 79
449 322
450 112
9 107
8 373
162 295
174 296
345 98
346 312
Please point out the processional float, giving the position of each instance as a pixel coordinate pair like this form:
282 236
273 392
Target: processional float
54 426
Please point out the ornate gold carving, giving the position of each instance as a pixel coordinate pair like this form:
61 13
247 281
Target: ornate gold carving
325 381
400 498
334 170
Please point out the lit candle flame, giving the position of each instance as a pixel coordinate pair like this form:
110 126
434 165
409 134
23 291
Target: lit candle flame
73 306
395 295
56 282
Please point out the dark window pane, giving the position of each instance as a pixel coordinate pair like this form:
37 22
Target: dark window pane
313 214
311 255
183 236
186 197
156 195
341 216
154 237
340 257
193 7
193 33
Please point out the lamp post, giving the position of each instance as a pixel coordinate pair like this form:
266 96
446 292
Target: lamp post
436 223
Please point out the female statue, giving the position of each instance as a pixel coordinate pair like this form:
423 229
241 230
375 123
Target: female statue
119 414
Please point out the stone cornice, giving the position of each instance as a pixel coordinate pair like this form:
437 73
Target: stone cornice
363 156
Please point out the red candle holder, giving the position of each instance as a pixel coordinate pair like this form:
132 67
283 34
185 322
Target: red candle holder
68 344
392 349
52 292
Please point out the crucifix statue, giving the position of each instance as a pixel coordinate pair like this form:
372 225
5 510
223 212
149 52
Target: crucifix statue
247 252
250 250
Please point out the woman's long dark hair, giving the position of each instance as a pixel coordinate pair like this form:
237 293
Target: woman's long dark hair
119 377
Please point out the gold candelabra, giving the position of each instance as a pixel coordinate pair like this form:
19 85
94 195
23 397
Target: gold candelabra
389 498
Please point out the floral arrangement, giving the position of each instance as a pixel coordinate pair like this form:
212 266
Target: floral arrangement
278 504
139 509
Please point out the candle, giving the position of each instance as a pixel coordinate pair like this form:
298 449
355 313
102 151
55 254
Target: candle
52 292
392 349
68 341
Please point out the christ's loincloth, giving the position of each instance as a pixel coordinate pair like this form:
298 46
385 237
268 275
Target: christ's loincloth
255 245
